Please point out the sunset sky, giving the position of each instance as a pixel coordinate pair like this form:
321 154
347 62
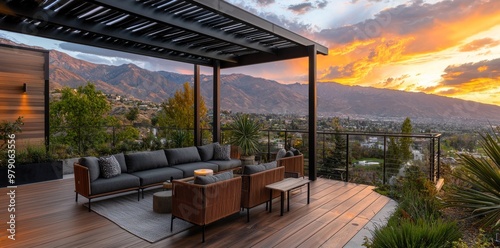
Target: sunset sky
449 48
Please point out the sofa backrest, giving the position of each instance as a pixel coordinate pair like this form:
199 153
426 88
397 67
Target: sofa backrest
92 163
139 161
182 155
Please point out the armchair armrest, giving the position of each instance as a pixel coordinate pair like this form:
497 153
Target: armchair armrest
293 165
82 180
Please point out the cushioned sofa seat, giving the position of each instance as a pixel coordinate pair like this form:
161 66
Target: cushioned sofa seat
158 175
226 164
105 185
189 168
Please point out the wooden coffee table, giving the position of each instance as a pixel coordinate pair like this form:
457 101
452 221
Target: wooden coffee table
287 185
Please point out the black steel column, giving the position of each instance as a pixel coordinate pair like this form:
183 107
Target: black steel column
439 158
312 112
216 104
197 99
46 92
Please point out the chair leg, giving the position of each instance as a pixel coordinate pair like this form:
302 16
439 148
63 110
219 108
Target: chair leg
138 194
89 204
203 234
172 223
76 198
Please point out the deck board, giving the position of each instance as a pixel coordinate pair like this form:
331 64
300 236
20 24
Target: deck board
48 216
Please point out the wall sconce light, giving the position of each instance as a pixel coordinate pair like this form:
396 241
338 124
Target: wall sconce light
25 87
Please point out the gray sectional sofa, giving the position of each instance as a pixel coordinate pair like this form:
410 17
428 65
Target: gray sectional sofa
140 170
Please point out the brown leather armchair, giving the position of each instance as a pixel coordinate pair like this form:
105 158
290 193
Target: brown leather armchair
254 192
204 204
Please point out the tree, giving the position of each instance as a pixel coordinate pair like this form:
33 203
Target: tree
399 149
132 114
337 157
406 142
79 117
178 113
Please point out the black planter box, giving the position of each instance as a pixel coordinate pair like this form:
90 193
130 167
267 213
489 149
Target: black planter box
32 173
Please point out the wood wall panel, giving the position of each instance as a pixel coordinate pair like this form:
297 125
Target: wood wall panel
18 66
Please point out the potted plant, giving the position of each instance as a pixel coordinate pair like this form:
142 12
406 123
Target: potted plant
245 133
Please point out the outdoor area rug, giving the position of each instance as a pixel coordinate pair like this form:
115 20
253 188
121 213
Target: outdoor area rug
137 217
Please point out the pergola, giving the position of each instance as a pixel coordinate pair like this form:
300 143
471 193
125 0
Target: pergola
210 33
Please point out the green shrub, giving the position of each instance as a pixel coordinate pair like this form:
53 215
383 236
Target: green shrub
481 193
420 233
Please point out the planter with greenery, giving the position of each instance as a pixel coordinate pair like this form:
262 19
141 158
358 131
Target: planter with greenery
245 133
32 163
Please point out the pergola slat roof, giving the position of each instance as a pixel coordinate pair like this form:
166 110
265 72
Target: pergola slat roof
197 31
201 32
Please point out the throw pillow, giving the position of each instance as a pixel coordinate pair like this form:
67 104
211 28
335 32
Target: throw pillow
109 167
289 154
280 154
204 180
222 152
296 152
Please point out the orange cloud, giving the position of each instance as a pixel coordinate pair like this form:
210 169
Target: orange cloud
479 44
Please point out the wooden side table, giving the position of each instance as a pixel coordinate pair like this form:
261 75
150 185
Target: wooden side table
162 202
287 185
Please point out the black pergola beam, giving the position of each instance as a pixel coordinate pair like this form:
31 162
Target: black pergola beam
252 20
79 38
284 54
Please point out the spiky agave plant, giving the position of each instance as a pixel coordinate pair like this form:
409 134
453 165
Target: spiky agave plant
482 195
245 133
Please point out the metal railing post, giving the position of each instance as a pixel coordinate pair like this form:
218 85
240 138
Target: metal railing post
385 158
347 158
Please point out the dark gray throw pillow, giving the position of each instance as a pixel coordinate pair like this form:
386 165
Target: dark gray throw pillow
109 167
206 151
289 154
295 151
280 154
204 180
222 152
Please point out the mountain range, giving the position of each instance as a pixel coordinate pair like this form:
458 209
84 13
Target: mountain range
244 93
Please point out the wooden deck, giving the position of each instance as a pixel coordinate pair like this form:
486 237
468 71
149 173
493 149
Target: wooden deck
47 216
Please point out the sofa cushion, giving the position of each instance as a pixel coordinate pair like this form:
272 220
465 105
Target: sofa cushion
280 154
158 175
206 152
109 167
226 164
182 155
140 161
92 163
222 152
252 169
189 168
121 160
204 180
105 185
